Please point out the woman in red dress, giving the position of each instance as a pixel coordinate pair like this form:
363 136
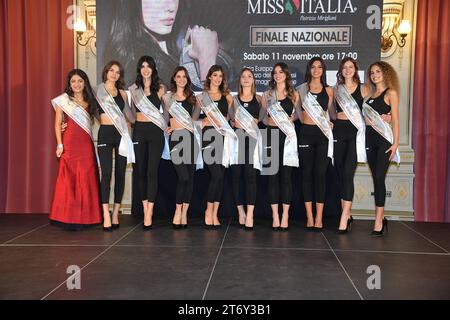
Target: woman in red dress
76 201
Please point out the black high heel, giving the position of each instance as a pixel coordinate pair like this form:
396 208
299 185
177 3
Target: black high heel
108 229
146 228
115 225
176 226
383 230
348 228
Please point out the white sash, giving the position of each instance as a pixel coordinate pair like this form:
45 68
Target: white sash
284 123
116 116
247 122
353 113
151 112
76 112
183 117
316 113
383 128
211 110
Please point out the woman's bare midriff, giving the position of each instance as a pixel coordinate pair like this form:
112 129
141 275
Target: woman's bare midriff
141 117
342 116
307 119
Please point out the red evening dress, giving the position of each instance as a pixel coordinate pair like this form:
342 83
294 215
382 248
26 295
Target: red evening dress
76 201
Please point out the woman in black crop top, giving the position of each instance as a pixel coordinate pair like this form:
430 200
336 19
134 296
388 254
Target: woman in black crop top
108 140
183 146
280 182
344 133
313 145
148 140
251 102
384 83
217 88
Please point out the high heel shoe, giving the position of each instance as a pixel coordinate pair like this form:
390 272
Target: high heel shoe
383 230
115 225
176 226
146 228
348 228
108 229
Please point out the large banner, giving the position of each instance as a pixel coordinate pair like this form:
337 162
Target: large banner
237 33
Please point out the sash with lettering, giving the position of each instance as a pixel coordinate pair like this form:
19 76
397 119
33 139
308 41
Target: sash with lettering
183 117
383 128
152 113
76 112
248 123
316 113
116 116
353 113
211 110
284 123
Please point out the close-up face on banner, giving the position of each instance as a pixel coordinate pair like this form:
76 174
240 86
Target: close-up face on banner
238 33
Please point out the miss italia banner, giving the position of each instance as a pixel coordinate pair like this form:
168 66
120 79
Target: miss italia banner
237 34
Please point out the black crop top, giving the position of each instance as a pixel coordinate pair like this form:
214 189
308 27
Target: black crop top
287 105
322 98
252 106
222 104
154 99
119 101
188 107
357 96
378 103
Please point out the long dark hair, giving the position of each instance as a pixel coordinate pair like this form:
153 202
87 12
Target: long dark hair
88 94
120 83
308 75
288 82
340 77
155 80
188 93
223 86
129 38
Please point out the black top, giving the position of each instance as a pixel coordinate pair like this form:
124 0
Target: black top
153 97
222 104
322 98
188 107
287 105
357 96
119 101
378 103
252 106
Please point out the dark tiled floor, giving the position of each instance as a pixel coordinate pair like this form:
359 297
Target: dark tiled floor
229 263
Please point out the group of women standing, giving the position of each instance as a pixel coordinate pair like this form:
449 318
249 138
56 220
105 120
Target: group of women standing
346 124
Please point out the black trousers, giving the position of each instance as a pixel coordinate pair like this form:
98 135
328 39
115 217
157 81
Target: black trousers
247 145
280 183
216 170
183 162
148 141
378 160
313 149
108 140
345 158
